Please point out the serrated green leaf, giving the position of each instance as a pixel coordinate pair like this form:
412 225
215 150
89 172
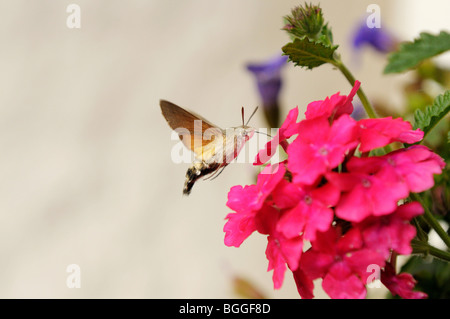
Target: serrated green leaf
310 54
410 54
432 114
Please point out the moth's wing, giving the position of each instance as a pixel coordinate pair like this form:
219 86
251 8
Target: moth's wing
176 116
183 121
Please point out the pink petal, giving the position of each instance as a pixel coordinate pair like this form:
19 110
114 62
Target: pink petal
288 128
411 137
291 249
238 227
316 264
243 199
292 221
360 261
332 107
409 211
380 132
276 262
286 195
344 130
265 219
304 284
339 283
327 194
319 219
354 205
401 284
352 240
315 131
303 163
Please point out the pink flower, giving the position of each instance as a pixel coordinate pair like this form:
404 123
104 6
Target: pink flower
333 107
367 194
342 262
247 202
281 250
251 198
287 129
320 147
324 186
380 132
415 166
401 284
255 211
392 231
238 227
311 214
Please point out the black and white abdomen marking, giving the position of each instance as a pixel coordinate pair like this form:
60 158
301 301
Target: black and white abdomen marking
197 171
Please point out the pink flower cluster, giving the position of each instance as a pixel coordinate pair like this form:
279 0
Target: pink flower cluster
331 193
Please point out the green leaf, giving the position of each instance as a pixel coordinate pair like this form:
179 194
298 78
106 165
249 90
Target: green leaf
310 54
410 54
428 118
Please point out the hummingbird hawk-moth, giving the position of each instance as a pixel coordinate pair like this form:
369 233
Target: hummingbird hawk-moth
214 148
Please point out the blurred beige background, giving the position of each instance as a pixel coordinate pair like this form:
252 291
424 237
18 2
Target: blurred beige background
86 176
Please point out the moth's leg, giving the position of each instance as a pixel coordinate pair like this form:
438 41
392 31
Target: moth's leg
212 175
216 173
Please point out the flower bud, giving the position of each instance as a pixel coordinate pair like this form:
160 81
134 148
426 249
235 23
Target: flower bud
304 21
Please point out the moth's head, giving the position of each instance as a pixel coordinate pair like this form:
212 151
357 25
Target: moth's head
247 132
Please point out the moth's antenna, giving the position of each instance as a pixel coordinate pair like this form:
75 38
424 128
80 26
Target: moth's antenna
263 133
242 112
256 108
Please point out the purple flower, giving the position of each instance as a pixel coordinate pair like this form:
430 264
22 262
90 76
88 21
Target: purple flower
377 38
269 82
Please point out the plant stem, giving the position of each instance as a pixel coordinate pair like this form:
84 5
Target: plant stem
351 79
431 220
436 226
420 232
420 247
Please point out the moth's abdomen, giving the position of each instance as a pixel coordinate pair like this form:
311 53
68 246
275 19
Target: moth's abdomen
197 171
192 175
